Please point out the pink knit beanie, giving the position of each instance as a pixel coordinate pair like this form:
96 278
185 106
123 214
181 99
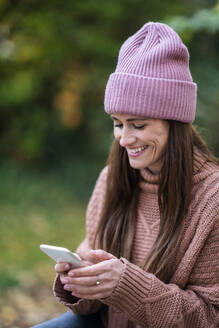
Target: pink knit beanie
152 77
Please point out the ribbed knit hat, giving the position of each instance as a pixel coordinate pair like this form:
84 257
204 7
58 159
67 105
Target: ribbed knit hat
152 76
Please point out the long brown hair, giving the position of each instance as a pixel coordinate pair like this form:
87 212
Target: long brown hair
116 228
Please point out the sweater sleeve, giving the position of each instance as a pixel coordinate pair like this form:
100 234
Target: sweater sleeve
151 303
83 306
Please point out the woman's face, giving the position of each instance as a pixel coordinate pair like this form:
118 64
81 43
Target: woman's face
143 138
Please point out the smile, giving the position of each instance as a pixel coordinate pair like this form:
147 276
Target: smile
136 150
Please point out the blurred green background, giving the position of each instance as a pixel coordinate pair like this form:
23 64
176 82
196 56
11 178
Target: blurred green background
55 59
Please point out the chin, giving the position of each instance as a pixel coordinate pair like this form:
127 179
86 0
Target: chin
137 166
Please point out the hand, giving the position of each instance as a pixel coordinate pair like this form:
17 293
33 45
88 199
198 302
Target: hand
83 251
62 268
82 282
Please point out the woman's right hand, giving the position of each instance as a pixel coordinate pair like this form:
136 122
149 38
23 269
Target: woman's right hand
84 253
63 268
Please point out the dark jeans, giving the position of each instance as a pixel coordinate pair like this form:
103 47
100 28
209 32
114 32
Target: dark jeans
69 320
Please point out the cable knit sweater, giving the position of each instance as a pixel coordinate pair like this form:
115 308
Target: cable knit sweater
191 299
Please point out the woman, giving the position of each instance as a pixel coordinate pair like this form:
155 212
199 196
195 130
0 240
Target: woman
151 247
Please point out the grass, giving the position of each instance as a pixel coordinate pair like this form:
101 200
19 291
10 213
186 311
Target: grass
35 208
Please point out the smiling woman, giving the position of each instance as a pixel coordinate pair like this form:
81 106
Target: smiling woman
151 248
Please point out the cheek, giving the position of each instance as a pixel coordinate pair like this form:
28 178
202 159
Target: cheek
161 145
116 134
157 146
160 139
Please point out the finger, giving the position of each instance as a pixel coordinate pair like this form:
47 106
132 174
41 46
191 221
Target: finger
101 255
87 291
92 270
62 267
81 281
86 263
62 276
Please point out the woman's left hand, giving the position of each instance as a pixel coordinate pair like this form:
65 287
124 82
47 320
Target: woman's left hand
94 281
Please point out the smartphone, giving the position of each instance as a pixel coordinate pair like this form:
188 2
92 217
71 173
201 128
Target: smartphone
61 254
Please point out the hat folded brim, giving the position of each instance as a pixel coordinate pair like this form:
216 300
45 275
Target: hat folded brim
151 97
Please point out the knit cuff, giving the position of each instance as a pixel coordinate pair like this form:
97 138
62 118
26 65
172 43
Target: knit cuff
76 305
132 287
162 98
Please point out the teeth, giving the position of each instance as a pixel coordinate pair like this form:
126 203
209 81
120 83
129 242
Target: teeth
137 150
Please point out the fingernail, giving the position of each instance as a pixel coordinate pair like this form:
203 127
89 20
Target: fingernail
67 266
66 287
71 274
65 281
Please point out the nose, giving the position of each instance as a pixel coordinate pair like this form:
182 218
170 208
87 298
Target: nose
126 138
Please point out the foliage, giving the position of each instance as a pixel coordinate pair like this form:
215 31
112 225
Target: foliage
202 20
55 59
201 32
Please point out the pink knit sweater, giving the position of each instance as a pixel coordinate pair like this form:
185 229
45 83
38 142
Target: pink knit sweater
191 299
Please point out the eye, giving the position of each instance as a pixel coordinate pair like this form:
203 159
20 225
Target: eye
139 126
117 125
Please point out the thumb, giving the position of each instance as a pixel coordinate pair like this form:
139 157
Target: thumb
101 255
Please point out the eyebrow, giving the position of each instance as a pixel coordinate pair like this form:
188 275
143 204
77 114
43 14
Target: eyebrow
131 119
